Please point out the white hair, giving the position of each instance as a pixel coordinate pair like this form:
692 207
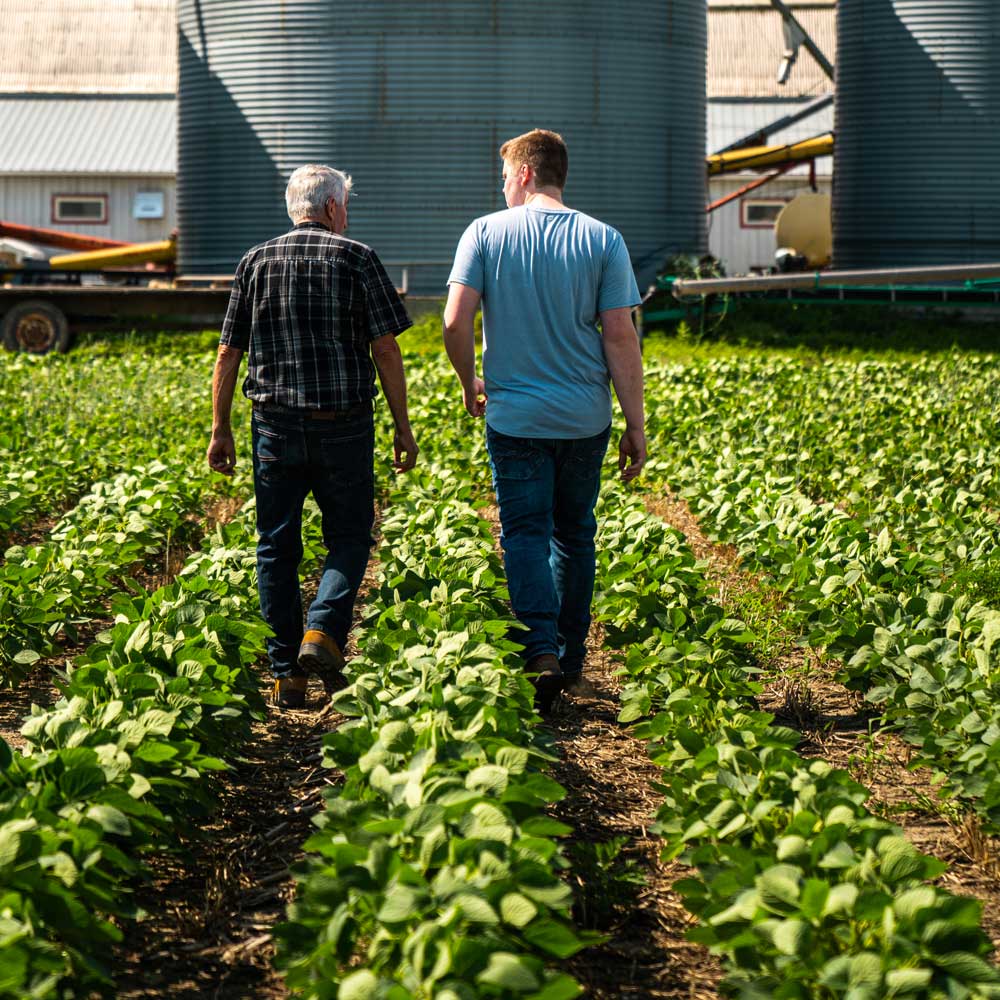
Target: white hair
311 187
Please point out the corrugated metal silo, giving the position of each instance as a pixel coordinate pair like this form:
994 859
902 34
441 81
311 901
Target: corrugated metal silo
414 100
918 132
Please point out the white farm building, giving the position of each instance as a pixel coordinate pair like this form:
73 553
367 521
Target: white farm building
87 116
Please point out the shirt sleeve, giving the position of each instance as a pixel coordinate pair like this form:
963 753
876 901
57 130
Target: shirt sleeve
236 325
469 268
618 286
385 309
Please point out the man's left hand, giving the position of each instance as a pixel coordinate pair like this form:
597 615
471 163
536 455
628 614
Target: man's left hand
404 447
222 453
474 397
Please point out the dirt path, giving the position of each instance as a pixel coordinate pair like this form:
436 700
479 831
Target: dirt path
611 785
212 907
838 726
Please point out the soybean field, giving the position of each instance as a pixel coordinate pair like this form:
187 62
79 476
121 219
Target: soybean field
782 780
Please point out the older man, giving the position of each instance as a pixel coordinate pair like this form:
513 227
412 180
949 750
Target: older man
314 310
546 274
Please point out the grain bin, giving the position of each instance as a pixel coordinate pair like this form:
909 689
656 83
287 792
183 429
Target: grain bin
414 100
918 142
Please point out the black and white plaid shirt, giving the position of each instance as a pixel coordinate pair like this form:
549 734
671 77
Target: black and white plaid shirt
307 305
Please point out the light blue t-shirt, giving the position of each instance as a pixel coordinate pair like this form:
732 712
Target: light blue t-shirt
544 275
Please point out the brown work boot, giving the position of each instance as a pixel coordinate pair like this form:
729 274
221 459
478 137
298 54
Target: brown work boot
319 654
290 692
548 680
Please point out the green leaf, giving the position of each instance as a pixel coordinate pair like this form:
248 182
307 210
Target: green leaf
900 859
967 968
779 884
554 937
559 987
839 856
791 937
81 783
489 778
509 972
10 839
111 820
401 904
360 985
475 908
903 981
517 910
866 969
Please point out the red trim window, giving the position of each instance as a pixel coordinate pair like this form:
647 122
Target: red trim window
83 209
760 213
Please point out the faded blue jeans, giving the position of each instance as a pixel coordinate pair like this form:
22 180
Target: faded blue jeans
332 459
546 490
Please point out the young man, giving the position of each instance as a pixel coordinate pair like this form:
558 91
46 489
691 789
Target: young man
546 275
315 310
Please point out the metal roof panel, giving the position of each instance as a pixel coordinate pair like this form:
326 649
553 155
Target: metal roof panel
87 135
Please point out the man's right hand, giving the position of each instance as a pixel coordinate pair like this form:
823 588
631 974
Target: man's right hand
474 397
222 453
632 453
404 448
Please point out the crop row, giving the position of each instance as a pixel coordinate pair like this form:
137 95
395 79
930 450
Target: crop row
74 420
889 604
119 764
803 891
113 532
435 868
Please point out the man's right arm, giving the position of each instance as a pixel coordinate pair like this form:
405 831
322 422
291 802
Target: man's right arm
222 449
460 344
621 348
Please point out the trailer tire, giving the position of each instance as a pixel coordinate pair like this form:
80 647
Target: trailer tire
35 327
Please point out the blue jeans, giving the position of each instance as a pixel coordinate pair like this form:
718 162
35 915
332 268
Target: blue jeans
546 489
332 459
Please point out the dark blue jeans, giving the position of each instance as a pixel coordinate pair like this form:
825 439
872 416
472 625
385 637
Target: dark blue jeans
293 456
546 489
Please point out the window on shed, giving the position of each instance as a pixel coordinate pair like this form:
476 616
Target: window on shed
760 213
87 208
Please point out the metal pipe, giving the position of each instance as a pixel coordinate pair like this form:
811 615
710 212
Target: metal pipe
57 237
755 157
160 252
752 186
812 280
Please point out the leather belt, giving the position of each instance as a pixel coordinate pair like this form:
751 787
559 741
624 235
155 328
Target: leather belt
273 410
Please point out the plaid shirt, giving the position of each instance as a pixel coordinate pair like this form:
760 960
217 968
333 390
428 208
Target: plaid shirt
307 306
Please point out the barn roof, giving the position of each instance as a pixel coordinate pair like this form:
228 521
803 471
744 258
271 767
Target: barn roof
88 135
88 46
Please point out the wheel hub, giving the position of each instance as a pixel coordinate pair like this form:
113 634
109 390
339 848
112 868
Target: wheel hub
35 333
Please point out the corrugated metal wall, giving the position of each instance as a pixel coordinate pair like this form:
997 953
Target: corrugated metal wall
414 101
918 132
28 200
